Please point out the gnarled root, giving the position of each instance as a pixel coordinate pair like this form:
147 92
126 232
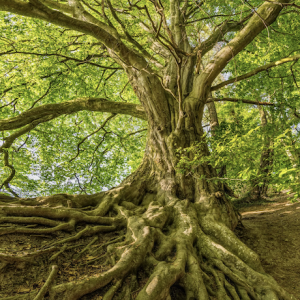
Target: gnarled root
165 248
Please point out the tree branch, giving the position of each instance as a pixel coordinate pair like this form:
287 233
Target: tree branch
66 58
52 111
84 15
256 71
59 6
133 133
239 100
218 35
130 38
10 139
94 132
214 16
11 175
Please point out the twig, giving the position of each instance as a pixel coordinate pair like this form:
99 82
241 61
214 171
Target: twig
83 140
238 100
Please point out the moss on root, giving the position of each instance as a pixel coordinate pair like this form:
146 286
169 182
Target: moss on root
169 250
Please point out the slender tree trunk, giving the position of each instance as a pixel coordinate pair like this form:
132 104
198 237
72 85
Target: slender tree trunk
214 124
260 184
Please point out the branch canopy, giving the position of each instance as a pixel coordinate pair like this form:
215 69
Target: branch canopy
37 9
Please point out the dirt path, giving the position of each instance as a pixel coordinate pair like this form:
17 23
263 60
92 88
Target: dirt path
273 231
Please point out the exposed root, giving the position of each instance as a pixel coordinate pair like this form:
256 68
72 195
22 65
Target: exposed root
54 256
130 259
57 213
230 289
30 220
172 245
65 226
21 297
88 231
27 257
44 216
106 244
111 292
47 284
193 280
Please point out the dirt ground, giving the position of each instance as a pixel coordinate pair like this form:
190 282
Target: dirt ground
273 231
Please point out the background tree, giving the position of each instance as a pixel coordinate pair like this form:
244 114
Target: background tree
155 63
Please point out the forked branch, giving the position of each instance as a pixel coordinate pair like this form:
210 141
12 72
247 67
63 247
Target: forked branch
266 15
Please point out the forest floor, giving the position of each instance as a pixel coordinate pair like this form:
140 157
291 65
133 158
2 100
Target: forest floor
272 229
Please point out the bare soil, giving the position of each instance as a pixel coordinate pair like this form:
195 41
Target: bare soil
273 231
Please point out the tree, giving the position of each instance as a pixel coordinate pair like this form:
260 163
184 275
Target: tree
265 168
178 226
